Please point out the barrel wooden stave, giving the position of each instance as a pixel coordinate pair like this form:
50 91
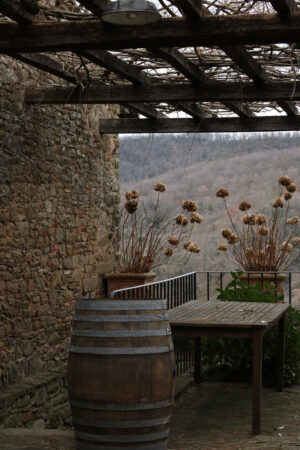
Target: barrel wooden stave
127 402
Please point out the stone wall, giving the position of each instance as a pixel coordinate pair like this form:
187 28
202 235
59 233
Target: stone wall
59 196
39 401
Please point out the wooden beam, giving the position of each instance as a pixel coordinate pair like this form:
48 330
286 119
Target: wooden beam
15 10
174 93
95 6
253 124
196 76
145 110
214 30
192 9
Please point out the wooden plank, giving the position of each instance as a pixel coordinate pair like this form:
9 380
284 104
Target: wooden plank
95 6
145 110
49 65
108 94
257 382
202 126
214 30
16 11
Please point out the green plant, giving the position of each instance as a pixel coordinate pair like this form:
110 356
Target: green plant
231 359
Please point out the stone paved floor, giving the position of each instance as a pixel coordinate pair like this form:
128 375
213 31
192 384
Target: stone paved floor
209 416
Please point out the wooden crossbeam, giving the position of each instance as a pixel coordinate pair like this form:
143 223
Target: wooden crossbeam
196 76
214 30
133 74
16 11
253 124
249 66
158 93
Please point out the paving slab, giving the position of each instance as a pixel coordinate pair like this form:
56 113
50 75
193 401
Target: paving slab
206 417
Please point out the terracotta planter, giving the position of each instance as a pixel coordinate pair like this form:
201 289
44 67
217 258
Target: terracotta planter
126 280
275 281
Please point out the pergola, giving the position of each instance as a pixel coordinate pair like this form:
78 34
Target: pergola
226 65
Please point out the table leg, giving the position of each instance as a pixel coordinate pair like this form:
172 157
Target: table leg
197 360
280 354
257 382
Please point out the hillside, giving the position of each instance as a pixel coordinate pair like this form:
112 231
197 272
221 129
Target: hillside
195 169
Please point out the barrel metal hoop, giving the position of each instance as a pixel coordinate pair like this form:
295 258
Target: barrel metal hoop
123 423
121 351
122 438
121 318
84 445
121 333
125 305
121 407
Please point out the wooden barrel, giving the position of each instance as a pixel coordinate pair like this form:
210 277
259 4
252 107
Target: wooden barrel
121 374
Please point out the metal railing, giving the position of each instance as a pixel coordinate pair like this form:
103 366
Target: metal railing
202 285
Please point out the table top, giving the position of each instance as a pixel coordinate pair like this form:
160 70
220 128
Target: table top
225 314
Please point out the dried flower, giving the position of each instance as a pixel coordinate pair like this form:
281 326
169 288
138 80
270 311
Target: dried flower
244 206
222 193
249 219
296 240
286 247
284 180
195 217
184 221
168 252
135 194
189 205
160 187
292 187
193 247
287 196
233 238
278 203
128 195
173 240
186 244
226 232
250 251
260 219
222 247
263 231
178 219
293 221
131 206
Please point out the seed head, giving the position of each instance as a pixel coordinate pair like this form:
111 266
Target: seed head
168 252
293 220
128 195
278 203
249 219
249 251
189 205
292 187
287 196
233 238
160 187
193 247
286 247
260 219
244 206
263 231
284 180
197 218
131 206
222 247
186 244
135 194
184 221
222 193
226 232
173 240
296 240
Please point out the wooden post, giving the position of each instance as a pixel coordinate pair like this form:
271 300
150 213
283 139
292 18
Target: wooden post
197 360
257 381
280 354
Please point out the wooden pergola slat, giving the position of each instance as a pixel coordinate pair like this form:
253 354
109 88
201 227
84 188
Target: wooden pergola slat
253 124
16 11
214 30
158 93
196 76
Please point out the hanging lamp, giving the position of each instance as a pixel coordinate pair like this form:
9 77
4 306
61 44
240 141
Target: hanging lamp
130 12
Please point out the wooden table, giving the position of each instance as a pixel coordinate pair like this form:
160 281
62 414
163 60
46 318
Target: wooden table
234 319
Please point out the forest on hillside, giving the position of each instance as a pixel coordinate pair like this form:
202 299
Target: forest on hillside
194 167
